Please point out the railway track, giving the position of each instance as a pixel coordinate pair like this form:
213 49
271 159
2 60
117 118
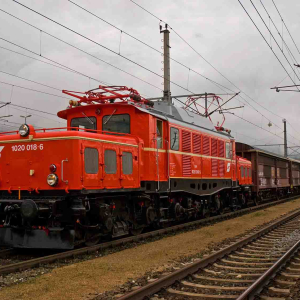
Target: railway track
265 262
46 259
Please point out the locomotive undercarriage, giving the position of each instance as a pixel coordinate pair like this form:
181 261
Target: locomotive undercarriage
65 222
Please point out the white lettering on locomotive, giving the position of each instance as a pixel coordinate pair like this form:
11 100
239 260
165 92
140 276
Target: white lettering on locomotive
228 167
29 147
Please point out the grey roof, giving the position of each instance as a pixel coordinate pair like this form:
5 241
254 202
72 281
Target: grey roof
178 114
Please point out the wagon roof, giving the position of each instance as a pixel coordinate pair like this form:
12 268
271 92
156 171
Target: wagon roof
248 148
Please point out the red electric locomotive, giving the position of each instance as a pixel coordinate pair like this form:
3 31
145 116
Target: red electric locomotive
122 163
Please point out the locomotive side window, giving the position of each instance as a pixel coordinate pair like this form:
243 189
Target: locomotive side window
110 161
159 132
246 175
116 123
242 172
174 140
84 123
228 150
91 160
127 163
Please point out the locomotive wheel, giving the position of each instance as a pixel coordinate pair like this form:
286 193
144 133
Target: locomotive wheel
91 238
221 209
256 200
150 215
136 231
204 213
243 201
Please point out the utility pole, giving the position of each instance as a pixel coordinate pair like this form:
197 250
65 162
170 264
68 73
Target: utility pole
285 137
167 91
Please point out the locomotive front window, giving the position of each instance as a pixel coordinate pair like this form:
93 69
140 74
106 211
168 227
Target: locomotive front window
84 123
116 123
91 160
174 138
110 161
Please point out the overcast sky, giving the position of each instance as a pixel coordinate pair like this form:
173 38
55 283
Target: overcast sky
219 30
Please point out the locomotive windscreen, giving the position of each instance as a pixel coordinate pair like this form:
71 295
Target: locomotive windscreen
116 123
84 123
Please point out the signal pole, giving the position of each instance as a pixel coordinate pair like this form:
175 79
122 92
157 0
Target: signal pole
285 137
167 90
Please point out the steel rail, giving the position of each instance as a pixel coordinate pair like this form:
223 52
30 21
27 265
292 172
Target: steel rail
87 250
264 279
6 252
170 279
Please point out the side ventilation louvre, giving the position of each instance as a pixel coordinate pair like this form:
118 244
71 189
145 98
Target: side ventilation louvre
196 143
221 149
214 147
214 162
221 162
214 167
221 168
186 159
206 149
186 165
186 141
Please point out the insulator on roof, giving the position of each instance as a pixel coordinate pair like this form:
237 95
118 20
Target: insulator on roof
74 103
135 97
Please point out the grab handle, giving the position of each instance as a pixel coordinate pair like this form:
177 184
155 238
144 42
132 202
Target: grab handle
62 171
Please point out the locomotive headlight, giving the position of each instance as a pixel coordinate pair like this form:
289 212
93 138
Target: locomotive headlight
53 168
52 179
24 130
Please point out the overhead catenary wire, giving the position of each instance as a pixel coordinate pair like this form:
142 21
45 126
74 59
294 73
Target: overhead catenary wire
102 46
94 41
79 49
286 27
189 45
22 54
33 90
34 114
217 71
16 107
265 40
48 86
275 42
72 31
283 40
149 46
128 59
59 64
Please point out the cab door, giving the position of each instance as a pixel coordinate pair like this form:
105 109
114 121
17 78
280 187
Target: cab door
111 173
129 167
91 173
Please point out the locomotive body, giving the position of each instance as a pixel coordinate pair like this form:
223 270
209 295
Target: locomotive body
116 168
